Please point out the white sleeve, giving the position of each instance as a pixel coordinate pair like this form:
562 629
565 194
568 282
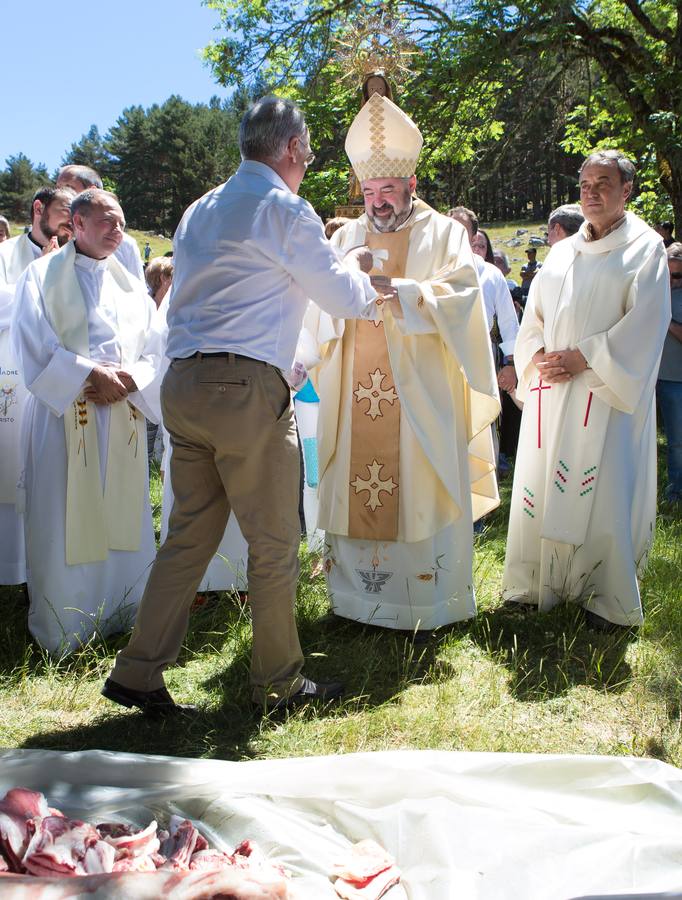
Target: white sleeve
507 320
6 303
315 266
622 359
6 297
52 374
128 254
150 368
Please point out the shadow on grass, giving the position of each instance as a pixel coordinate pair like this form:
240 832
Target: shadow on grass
376 665
549 653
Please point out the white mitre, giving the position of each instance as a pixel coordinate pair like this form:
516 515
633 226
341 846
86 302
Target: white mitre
383 142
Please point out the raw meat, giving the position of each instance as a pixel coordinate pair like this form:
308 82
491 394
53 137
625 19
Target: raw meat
364 860
18 808
225 884
64 847
371 889
41 851
129 842
366 873
180 844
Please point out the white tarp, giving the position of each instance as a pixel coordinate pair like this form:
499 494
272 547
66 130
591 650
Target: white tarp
488 826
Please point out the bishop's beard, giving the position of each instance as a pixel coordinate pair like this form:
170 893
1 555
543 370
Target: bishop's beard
395 220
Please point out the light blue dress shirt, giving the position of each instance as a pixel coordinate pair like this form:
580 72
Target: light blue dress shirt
247 258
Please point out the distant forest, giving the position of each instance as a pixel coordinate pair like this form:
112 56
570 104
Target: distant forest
509 99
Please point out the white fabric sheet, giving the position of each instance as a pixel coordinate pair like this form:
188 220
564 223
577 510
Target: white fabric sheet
471 826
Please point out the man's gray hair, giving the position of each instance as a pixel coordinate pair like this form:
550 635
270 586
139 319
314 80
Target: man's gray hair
569 216
83 201
626 167
87 176
500 254
268 126
674 251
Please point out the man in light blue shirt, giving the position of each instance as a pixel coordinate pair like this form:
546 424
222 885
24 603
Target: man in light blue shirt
248 256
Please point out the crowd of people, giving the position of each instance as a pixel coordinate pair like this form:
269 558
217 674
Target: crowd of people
401 330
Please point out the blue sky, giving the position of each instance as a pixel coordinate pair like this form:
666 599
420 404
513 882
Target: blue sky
69 65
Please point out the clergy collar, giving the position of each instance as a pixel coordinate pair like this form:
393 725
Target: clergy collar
253 167
620 234
35 243
589 230
89 264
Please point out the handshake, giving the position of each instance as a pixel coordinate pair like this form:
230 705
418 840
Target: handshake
361 258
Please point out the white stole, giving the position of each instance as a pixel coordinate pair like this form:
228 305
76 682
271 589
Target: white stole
111 519
21 258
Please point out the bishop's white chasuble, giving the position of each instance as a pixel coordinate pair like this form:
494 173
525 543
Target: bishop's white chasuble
89 536
405 455
584 496
15 255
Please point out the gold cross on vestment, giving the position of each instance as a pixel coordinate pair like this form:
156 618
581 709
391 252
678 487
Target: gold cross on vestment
374 485
375 394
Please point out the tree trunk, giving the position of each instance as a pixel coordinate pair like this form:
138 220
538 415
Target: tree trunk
671 178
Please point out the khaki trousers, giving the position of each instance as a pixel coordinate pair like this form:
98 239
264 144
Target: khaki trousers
234 446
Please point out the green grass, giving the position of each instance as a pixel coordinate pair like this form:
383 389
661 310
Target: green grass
499 234
503 681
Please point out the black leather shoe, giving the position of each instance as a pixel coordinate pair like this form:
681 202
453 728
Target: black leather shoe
152 703
307 693
599 623
512 604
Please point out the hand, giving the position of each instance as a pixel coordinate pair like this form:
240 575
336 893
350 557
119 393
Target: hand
51 246
126 380
360 258
105 385
388 294
560 365
95 396
506 378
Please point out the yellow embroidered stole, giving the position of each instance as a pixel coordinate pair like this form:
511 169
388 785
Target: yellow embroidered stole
375 416
97 519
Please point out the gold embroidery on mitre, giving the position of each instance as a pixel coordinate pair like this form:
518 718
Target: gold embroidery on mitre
381 166
377 132
384 151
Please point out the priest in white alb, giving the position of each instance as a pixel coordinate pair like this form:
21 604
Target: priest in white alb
83 334
50 228
587 354
405 453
